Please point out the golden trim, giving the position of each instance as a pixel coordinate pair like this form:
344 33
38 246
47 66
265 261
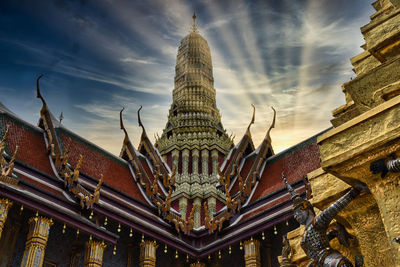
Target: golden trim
151 185
71 181
252 253
7 167
5 205
148 253
94 251
198 264
36 242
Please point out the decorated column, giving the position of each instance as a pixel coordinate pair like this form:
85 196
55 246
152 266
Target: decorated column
185 162
148 253
5 205
197 264
35 247
204 165
214 175
197 212
175 160
183 206
212 206
195 166
94 253
252 253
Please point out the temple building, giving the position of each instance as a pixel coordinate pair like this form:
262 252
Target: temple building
194 140
194 197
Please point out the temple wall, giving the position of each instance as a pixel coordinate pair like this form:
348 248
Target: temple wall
18 250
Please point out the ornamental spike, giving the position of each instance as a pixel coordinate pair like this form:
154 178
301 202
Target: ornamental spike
292 193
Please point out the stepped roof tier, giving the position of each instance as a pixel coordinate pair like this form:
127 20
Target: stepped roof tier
60 174
194 120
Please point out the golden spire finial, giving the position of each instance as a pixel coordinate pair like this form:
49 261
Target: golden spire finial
194 27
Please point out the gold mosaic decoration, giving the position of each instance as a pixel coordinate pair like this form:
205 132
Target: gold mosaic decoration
7 167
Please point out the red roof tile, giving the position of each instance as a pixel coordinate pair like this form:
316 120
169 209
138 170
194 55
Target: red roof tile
95 163
295 165
32 148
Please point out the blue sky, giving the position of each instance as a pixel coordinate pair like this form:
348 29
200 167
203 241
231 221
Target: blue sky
100 56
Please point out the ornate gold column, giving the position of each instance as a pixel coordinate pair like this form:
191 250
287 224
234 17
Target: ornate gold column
197 210
204 166
214 175
252 253
5 205
198 264
94 253
212 206
35 247
195 166
175 158
185 162
148 253
183 206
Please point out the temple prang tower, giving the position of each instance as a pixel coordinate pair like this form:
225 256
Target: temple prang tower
194 140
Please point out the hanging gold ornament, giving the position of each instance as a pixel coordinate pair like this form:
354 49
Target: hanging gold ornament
115 250
230 250
176 254
91 215
130 233
165 249
187 258
21 209
219 254
119 228
262 236
275 231
241 245
105 221
63 229
142 237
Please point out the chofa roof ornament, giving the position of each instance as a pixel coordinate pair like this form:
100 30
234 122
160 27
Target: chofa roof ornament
297 200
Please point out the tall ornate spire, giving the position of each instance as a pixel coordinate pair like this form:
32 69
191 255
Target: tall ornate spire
194 140
194 26
194 115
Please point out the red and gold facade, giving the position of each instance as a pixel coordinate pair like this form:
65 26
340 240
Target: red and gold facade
191 199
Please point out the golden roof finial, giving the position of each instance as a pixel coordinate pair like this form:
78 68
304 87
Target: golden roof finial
252 119
194 27
267 136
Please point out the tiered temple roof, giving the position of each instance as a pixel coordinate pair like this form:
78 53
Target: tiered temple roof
134 190
193 190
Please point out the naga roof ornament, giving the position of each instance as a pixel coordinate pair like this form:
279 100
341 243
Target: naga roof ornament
7 167
64 170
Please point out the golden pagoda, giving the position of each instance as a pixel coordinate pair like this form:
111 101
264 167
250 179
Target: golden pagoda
194 140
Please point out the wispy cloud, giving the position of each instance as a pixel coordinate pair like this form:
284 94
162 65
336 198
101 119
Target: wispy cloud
138 60
99 57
